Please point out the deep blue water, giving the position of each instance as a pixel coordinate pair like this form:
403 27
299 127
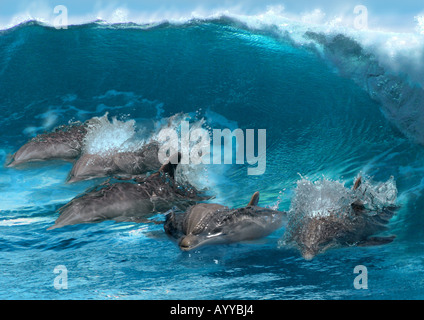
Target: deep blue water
318 123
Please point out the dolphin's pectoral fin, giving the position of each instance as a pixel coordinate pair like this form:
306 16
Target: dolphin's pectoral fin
254 200
376 241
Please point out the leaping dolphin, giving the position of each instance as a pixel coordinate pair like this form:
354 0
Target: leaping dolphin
91 166
130 201
65 143
205 224
359 227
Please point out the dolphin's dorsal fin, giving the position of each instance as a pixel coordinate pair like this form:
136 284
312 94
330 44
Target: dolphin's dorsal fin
254 200
171 164
357 183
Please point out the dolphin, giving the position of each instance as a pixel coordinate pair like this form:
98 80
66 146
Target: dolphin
91 166
65 143
135 200
208 223
358 227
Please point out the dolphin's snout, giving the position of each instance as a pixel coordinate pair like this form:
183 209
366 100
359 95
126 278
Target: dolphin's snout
308 254
189 242
185 244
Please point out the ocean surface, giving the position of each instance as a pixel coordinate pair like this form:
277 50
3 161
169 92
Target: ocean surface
335 103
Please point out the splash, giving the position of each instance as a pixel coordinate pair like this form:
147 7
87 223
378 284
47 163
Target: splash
326 198
376 195
201 176
320 198
105 137
196 175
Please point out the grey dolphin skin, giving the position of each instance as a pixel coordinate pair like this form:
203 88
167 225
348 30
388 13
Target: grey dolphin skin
91 166
130 201
65 143
315 235
206 224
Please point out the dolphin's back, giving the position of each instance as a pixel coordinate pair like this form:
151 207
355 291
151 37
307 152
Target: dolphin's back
252 222
91 166
144 160
125 201
122 201
64 144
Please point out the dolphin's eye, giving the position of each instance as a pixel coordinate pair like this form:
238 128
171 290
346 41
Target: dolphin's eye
217 230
